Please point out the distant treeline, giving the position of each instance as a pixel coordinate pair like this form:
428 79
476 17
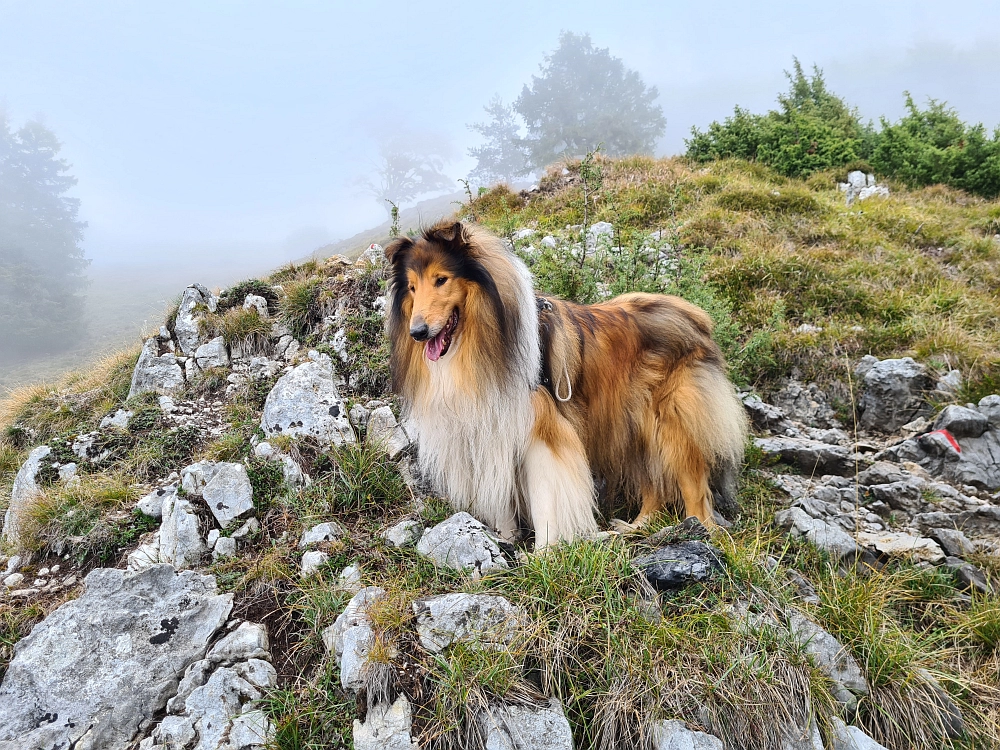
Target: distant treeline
813 129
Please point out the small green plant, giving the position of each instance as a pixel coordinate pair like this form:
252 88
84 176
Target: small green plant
235 295
592 179
394 217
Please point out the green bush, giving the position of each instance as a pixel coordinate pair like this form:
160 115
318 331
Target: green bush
813 130
933 145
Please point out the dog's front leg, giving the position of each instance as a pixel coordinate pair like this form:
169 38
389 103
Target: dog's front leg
558 487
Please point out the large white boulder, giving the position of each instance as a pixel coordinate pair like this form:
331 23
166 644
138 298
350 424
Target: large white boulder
96 670
305 402
526 727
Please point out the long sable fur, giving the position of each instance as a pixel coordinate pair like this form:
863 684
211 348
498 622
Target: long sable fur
636 393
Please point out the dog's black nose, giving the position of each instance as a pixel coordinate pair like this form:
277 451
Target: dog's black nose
420 332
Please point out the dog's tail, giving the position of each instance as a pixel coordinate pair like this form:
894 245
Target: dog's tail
722 435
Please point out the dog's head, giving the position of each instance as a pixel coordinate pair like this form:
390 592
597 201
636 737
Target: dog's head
433 277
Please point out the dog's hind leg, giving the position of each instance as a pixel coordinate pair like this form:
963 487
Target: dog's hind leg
556 480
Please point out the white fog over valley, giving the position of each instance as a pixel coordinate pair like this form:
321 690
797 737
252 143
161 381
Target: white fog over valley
214 141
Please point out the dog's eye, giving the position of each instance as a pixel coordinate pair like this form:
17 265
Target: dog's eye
412 289
440 280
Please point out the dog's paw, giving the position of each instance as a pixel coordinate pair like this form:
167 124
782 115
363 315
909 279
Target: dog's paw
622 527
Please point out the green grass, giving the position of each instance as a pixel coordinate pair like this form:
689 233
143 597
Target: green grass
300 308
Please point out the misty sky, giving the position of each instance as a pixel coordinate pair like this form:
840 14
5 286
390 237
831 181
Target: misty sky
197 129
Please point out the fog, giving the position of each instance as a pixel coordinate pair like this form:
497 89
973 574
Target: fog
215 140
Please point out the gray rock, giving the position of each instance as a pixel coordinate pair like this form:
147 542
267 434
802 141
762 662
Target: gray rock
949 383
152 504
224 547
160 373
764 416
893 394
181 543
351 636
291 472
256 302
305 402
106 663
967 576
212 354
146 554
804 738
322 532
978 464
947 709
187 328
821 534
228 493
312 561
23 495
359 416
119 419
812 457
526 727
248 641
674 735
384 430
806 403
249 527
461 543
212 708
549 241
13 580
989 407
406 533
905 496
843 737
483 619
677 565
900 544
831 658
386 728
883 472
953 542
961 422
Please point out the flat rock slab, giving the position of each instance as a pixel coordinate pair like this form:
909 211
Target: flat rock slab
305 401
462 543
679 564
478 618
812 457
526 727
99 667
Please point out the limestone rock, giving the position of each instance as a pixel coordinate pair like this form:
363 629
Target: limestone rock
674 735
893 394
119 419
212 354
764 416
478 618
187 328
160 373
818 532
248 641
899 544
312 561
351 636
384 430
386 728
23 495
812 457
290 469
831 657
677 565
843 737
953 542
228 494
181 543
224 547
152 504
322 532
305 402
101 665
526 727
962 422
256 302
462 543
406 533
806 403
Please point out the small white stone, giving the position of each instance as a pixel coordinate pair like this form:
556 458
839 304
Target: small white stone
312 561
13 580
350 579
225 546
322 532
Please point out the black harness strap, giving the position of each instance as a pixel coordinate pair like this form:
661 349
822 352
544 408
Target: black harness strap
546 314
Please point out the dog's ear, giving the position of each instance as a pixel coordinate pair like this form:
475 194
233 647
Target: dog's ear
452 236
397 248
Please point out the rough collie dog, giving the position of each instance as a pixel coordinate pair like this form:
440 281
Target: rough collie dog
519 402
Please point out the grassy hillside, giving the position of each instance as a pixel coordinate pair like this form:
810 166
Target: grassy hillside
917 273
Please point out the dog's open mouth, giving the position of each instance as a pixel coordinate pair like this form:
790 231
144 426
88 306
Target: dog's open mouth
437 347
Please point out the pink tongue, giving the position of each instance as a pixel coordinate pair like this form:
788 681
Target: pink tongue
434 347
